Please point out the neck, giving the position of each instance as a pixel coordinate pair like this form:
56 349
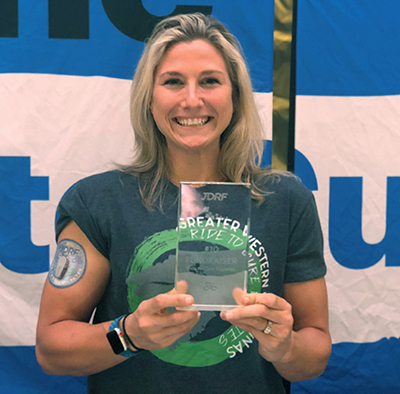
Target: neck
194 167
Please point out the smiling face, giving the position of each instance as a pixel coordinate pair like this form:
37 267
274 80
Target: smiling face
192 96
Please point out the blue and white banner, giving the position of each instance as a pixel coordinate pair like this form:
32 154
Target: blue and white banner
347 126
64 98
64 114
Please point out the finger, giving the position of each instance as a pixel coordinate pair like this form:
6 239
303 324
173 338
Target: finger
256 323
170 334
253 315
254 326
160 302
238 294
176 323
181 287
255 311
160 331
257 315
249 328
270 300
177 318
155 322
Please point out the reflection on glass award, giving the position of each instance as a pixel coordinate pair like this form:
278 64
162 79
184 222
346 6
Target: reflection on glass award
213 233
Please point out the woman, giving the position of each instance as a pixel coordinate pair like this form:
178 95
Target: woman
194 119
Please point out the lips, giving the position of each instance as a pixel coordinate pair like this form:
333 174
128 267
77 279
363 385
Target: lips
192 122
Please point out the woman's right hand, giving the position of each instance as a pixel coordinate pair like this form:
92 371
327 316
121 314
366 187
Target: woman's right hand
153 327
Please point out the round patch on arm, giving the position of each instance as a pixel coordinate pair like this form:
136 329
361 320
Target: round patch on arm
69 264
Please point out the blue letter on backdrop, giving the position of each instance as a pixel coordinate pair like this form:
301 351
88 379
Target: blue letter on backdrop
69 19
17 189
131 18
9 18
345 225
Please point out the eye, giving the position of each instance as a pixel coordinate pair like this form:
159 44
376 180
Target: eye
211 81
173 82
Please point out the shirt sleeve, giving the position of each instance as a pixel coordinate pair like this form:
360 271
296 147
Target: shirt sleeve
305 258
74 206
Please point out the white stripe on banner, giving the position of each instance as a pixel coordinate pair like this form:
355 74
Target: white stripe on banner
353 146
69 127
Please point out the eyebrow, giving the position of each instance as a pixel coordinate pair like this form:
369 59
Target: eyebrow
177 74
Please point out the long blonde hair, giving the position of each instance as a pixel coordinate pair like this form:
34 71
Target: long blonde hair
241 143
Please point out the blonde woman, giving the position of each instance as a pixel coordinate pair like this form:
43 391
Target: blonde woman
194 119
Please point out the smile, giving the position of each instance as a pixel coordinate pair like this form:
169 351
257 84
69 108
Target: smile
192 122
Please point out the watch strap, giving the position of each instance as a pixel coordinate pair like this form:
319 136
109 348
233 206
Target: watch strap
117 341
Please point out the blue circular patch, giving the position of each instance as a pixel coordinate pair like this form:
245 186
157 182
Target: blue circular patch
69 264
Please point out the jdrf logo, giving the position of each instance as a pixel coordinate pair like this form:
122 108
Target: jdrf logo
214 196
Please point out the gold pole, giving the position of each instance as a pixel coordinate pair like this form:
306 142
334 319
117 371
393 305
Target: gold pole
283 87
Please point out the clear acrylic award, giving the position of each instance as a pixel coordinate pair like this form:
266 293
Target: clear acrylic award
213 237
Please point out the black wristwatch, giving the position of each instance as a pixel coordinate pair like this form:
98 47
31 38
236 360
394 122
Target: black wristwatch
117 340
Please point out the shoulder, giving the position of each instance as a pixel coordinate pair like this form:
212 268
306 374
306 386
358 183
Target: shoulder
103 189
93 201
106 183
286 185
286 196
114 178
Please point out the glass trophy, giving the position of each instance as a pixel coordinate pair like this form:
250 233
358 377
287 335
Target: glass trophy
213 238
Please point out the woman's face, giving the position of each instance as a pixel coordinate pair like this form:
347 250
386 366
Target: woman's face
192 96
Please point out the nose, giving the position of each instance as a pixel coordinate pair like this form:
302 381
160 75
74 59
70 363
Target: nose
192 96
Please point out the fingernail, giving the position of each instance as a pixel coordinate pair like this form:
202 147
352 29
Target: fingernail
246 300
189 300
228 315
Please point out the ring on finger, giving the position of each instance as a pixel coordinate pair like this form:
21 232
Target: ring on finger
268 328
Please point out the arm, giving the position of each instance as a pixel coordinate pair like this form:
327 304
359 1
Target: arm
67 344
299 343
311 341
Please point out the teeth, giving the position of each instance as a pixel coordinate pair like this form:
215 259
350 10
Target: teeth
192 121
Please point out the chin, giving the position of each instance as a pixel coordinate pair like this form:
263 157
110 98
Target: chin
196 144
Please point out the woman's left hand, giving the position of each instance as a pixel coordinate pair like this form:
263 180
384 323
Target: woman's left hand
268 318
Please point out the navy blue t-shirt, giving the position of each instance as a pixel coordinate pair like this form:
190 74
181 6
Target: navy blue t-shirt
286 246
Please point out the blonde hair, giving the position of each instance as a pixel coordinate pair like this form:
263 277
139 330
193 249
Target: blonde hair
241 143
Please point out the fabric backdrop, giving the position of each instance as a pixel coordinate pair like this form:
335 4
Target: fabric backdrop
65 71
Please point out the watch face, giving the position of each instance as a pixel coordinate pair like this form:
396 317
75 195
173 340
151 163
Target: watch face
115 341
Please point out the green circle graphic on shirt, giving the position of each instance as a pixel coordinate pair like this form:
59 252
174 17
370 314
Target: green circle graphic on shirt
190 353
